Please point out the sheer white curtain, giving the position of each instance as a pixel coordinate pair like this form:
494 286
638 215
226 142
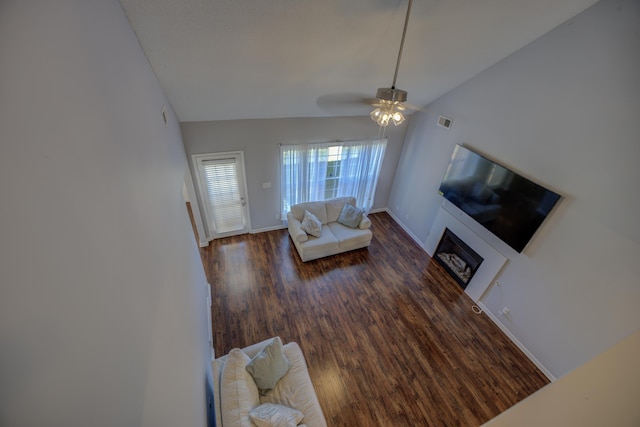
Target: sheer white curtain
319 171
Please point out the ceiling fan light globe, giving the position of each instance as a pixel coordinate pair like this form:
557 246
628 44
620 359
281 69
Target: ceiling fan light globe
398 118
388 111
381 116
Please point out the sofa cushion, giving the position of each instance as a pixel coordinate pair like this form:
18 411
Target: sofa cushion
350 216
311 225
275 415
238 392
350 237
317 247
316 208
334 207
269 366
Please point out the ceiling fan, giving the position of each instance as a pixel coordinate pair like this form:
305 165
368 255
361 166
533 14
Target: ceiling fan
389 102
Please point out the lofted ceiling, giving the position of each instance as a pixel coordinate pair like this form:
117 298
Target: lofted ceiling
241 59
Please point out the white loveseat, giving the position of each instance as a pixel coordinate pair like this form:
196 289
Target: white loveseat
236 393
335 237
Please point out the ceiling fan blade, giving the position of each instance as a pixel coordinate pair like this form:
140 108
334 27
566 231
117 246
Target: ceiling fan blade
346 103
413 108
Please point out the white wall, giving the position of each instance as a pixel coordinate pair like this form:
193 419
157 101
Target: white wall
602 392
260 139
563 111
102 292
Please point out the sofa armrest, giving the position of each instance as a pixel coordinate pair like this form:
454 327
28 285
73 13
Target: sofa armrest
365 222
295 229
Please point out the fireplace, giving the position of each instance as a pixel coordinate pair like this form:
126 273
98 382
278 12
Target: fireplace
457 258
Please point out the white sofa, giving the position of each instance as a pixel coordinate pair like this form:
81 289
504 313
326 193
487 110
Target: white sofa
235 393
335 237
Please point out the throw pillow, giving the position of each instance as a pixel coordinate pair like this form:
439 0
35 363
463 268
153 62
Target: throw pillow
269 366
238 391
350 216
275 415
311 225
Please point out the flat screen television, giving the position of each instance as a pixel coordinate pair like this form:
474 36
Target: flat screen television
507 204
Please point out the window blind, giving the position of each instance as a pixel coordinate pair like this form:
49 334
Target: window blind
222 190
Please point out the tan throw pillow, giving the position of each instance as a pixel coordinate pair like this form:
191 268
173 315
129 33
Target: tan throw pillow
269 366
311 225
275 415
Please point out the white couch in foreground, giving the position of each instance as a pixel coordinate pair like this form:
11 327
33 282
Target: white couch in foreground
237 396
334 237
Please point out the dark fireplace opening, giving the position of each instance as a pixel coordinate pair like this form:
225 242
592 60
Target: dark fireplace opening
457 258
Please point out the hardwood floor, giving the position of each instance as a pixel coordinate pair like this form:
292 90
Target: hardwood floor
389 338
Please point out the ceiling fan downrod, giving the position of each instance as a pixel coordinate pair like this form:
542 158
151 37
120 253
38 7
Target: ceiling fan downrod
404 33
391 99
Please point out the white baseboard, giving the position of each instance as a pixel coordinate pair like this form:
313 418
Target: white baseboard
265 229
517 342
379 210
256 231
404 227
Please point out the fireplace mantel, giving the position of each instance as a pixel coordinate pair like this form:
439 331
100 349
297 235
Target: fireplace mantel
493 262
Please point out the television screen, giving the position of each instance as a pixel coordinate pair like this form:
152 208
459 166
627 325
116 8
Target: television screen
507 204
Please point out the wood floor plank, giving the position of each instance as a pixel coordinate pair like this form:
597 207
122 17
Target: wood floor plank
389 338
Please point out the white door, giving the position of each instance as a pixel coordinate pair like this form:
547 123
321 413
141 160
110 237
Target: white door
221 181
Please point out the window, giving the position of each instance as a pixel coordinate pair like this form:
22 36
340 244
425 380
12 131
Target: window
333 172
323 171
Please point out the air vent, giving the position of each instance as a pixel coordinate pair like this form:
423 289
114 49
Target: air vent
445 122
